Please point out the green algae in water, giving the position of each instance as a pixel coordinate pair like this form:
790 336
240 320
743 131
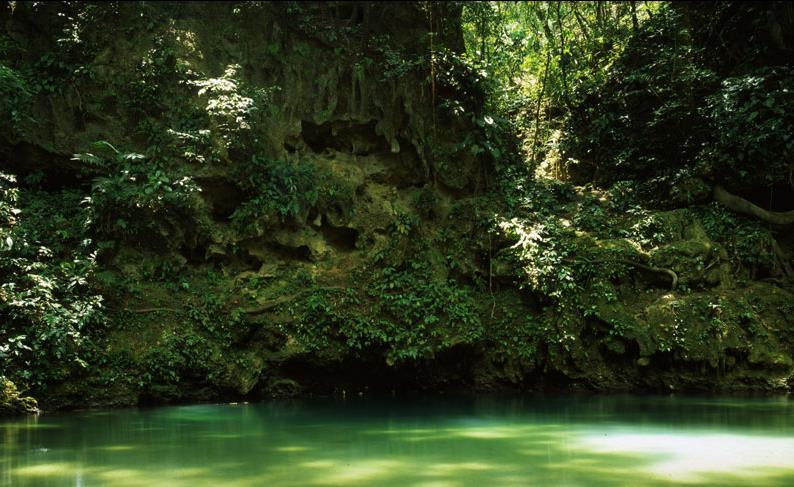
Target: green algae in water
568 440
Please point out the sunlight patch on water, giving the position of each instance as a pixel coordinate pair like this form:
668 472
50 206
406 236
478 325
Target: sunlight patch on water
122 474
362 471
292 449
437 483
401 432
117 448
696 457
318 464
46 469
505 431
451 468
488 433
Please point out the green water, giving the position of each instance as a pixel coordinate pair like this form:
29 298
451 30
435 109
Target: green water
612 440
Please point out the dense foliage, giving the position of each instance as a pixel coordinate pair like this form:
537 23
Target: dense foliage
206 200
134 197
47 302
542 58
676 118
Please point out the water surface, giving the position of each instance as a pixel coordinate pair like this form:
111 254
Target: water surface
443 442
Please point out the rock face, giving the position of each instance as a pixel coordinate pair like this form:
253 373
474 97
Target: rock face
343 92
308 144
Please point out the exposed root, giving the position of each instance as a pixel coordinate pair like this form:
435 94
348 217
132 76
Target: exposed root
659 270
263 308
150 310
273 303
781 260
741 205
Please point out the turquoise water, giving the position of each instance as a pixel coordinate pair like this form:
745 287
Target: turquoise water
444 442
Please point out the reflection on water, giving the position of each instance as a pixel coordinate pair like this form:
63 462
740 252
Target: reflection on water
575 441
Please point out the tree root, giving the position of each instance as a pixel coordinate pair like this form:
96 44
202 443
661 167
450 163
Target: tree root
781 260
267 306
150 310
272 304
741 205
659 270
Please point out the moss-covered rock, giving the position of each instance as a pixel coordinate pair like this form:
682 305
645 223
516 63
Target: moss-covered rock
12 402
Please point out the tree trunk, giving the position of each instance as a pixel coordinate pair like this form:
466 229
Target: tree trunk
563 58
537 111
582 22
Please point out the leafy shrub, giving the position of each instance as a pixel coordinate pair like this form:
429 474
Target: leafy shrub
644 122
274 188
14 95
426 314
178 357
463 85
752 120
134 196
232 106
47 302
682 110
406 314
748 242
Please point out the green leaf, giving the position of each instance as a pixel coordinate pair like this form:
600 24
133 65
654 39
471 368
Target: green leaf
104 144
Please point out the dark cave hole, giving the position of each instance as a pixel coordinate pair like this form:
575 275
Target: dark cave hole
627 358
241 260
312 215
50 171
317 137
223 196
285 252
343 238
195 254
450 369
360 139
